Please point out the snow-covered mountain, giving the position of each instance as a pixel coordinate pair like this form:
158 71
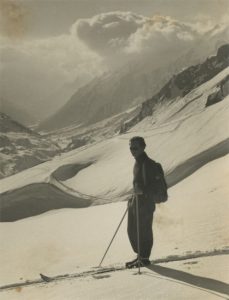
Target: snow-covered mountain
171 94
117 91
108 95
179 138
76 135
22 148
182 83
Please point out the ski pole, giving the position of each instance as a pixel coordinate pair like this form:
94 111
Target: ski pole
113 236
138 233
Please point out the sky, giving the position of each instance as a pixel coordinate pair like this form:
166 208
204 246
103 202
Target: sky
42 18
49 48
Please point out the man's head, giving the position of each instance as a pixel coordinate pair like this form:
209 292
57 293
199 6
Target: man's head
137 146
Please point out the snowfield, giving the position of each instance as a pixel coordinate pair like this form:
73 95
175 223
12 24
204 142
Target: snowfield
193 221
101 173
190 230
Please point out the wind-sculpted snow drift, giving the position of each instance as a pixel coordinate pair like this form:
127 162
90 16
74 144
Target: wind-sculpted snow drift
37 198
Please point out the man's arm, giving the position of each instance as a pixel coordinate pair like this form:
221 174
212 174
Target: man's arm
148 171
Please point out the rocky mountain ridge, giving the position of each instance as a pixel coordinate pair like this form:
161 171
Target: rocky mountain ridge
22 148
181 84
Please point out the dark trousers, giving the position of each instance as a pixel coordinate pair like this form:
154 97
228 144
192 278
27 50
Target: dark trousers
146 210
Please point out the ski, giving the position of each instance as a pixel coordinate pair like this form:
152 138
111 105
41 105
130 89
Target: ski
44 279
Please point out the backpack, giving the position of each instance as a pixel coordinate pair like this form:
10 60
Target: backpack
157 183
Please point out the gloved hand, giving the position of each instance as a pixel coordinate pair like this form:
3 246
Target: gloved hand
130 201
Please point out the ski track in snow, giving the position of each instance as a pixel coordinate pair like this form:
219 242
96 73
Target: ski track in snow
113 268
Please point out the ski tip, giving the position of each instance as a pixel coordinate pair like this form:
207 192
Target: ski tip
45 278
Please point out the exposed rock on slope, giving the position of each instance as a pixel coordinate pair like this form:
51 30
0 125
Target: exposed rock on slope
75 136
21 148
182 83
220 94
9 125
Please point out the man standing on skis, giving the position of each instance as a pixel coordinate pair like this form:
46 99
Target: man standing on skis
146 205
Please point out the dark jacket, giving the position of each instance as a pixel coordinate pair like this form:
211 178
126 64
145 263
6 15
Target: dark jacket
144 174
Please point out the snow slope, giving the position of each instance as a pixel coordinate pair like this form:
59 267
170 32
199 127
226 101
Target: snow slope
197 131
194 220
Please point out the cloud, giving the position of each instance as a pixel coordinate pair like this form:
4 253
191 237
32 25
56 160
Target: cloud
35 69
161 34
204 24
120 32
107 33
120 35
